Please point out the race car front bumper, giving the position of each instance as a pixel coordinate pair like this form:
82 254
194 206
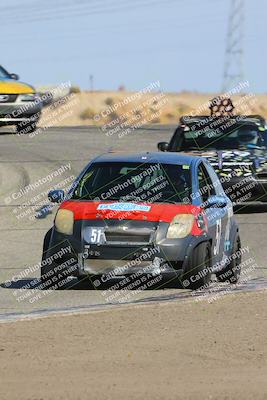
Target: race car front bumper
129 247
15 112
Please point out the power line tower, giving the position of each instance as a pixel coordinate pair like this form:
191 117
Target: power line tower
233 68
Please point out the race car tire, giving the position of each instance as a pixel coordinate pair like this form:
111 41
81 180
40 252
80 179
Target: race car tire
231 272
198 273
52 278
48 275
87 281
47 271
27 128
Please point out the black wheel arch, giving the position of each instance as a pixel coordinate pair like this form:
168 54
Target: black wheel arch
196 241
47 240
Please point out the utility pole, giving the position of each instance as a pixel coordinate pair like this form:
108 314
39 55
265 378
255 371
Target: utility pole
91 83
233 68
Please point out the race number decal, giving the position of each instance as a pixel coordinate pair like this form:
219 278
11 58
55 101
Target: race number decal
94 235
218 237
227 242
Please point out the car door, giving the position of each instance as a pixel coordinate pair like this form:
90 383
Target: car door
217 217
227 211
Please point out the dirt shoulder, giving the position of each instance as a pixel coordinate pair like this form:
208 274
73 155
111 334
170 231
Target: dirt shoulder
178 350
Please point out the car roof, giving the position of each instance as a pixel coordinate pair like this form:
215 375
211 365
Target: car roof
149 157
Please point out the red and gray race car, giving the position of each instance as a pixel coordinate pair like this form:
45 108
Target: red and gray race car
129 216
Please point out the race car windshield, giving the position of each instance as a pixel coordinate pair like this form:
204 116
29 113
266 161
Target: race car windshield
128 181
3 74
237 137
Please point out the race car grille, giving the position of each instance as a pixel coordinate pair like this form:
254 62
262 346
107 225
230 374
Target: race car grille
123 237
8 98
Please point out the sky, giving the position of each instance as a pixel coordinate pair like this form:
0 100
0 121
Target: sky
181 43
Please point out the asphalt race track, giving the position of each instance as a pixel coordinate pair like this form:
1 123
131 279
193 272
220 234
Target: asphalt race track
30 163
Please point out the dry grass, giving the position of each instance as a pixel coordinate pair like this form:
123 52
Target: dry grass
75 89
88 113
150 108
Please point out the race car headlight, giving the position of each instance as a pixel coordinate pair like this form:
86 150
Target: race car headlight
64 222
181 226
28 97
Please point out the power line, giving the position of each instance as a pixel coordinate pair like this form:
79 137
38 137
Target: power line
188 20
41 8
45 15
140 26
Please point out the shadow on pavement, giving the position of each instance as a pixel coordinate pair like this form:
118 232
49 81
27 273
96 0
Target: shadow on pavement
87 284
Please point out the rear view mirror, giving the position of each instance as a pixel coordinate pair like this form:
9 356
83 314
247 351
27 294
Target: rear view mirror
14 76
215 202
163 146
56 196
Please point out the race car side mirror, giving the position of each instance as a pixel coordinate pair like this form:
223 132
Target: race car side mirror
56 196
163 146
215 202
14 76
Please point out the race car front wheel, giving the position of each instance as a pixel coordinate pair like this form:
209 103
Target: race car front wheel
231 272
47 277
53 277
197 274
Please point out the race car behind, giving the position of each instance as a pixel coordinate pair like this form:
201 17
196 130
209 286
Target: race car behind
234 146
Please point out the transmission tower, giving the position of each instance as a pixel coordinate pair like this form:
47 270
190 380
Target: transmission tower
233 68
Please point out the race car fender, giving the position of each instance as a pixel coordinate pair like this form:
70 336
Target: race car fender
195 241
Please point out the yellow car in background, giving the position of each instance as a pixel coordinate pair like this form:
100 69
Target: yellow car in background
20 105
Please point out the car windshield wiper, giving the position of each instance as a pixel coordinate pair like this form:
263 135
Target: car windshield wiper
167 201
121 199
92 198
131 198
111 199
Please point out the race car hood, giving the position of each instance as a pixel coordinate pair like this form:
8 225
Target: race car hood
9 86
86 210
241 162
